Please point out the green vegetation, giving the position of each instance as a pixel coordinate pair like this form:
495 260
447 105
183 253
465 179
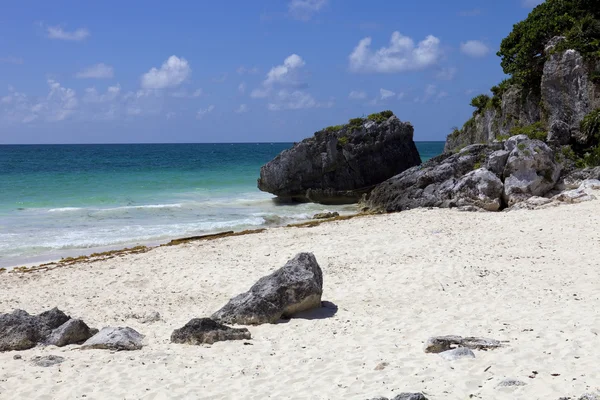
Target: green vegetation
334 128
356 124
477 165
533 131
522 51
380 117
521 146
342 141
480 103
590 126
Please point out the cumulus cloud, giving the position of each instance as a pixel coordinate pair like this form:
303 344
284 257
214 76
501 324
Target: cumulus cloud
287 73
91 95
431 93
357 95
57 32
400 56
531 3
98 71
243 108
474 48
204 111
173 72
386 94
305 9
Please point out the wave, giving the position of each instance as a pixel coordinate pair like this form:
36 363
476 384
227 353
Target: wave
65 209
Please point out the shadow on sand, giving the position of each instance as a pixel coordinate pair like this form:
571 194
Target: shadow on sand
327 310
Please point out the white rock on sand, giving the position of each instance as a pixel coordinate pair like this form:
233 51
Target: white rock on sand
530 278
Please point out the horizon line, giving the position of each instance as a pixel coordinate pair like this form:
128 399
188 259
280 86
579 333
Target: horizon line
162 143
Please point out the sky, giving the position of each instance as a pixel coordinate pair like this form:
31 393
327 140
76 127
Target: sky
242 71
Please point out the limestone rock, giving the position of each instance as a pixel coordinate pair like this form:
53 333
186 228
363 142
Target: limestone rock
295 287
497 161
325 215
207 331
574 196
449 180
18 331
339 166
74 331
574 179
513 141
404 396
120 338
145 317
530 170
457 354
47 361
439 344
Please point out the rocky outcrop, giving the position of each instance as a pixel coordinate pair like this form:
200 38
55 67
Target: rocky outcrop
74 331
567 93
20 330
339 164
207 331
478 177
295 287
120 338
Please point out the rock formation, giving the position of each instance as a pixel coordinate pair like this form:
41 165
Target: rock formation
73 331
295 287
207 331
439 344
339 164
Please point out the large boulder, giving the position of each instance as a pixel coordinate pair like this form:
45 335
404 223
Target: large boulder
207 331
449 180
110 338
339 164
20 330
531 170
73 331
295 287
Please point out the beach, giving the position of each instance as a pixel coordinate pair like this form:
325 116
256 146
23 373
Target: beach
527 278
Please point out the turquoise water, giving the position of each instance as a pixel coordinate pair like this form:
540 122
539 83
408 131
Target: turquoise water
58 200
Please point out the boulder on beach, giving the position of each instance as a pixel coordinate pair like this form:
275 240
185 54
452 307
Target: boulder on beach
295 287
457 354
74 331
207 331
21 330
111 338
325 215
439 344
341 163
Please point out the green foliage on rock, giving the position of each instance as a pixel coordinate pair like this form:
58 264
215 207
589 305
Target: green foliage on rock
534 131
380 116
342 141
480 103
356 124
522 51
334 128
590 126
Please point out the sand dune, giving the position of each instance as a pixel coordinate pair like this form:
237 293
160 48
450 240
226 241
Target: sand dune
530 278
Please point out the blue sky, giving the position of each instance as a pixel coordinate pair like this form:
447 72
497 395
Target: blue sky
242 71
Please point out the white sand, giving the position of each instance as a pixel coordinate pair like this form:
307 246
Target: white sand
528 277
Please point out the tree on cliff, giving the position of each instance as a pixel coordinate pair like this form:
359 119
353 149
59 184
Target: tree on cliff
522 51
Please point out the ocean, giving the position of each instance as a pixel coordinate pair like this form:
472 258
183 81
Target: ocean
70 200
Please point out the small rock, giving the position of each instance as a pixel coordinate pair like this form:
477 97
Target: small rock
207 331
73 331
17 357
120 338
457 354
510 383
410 396
590 396
381 366
145 317
438 344
325 215
574 196
47 361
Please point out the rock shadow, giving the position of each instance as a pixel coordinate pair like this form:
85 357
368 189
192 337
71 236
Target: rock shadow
327 310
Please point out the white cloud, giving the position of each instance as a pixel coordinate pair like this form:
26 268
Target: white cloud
386 94
242 88
243 108
474 48
305 9
98 71
431 93
184 94
292 100
173 72
204 111
531 3
259 93
11 60
446 74
250 71
400 56
57 32
91 95
357 95
287 73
